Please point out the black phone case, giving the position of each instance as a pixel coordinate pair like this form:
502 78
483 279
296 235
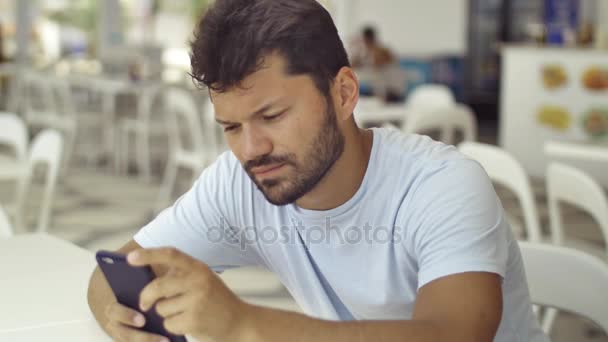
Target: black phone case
127 282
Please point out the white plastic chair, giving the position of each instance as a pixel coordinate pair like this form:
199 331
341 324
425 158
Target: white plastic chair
568 151
13 133
430 97
46 149
182 113
446 120
212 130
573 151
47 105
142 128
575 187
505 170
6 229
567 279
44 89
81 119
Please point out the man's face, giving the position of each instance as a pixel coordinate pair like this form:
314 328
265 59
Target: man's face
282 129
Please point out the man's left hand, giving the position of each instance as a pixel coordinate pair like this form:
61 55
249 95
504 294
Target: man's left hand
190 297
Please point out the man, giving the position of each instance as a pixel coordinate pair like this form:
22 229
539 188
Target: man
378 236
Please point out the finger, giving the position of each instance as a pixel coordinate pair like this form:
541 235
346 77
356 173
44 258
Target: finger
122 332
122 314
171 257
173 306
159 288
180 324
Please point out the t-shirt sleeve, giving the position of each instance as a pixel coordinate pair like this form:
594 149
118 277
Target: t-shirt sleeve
457 223
199 223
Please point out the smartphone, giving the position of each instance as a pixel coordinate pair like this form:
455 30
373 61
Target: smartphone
127 282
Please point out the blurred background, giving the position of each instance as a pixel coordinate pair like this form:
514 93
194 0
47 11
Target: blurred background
101 127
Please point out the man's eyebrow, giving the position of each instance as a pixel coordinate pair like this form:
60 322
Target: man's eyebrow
259 111
222 122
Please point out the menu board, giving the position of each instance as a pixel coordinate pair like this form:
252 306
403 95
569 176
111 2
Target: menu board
593 80
552 94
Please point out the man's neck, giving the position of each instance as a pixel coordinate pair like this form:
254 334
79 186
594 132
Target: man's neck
346 175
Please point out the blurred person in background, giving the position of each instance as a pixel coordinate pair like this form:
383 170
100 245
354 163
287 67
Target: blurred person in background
378 65
379 236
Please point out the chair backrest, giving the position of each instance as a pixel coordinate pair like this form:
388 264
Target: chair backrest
46 149
430 97
567 279
147 102
5 226
182 108
505 170
573 186
447 120
13 132
64 99
38 91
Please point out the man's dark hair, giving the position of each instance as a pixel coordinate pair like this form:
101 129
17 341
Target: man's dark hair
233 37
369 34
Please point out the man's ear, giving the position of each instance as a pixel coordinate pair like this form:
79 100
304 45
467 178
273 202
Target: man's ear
346 87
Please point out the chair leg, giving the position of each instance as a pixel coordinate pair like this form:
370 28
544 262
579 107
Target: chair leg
45 208
121 148
23 186
143 154
124 150
117 154
70 147
548 320
168 185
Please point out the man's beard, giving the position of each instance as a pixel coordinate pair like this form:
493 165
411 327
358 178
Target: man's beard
325 150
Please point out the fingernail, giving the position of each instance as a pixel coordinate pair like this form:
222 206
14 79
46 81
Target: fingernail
139 320
133 256
164 339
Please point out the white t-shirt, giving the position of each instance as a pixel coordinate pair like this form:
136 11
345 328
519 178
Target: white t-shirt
423 211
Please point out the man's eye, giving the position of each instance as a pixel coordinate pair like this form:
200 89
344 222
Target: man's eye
229 128
272 117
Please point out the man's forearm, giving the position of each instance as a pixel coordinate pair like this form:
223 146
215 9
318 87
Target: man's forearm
262 324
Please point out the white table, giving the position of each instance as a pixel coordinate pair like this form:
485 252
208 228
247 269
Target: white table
370 111
43 290
64 332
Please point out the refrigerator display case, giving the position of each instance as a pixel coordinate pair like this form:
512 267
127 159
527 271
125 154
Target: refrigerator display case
491 24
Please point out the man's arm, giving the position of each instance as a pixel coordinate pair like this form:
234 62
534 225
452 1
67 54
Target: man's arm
465 307
100 295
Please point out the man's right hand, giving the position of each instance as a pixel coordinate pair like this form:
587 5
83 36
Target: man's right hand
124 324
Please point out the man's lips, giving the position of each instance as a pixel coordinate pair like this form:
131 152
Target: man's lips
263 170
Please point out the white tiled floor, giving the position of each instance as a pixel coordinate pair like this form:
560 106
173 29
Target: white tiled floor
100 211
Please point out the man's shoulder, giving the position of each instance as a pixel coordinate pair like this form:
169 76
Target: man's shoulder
427 169
415 151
